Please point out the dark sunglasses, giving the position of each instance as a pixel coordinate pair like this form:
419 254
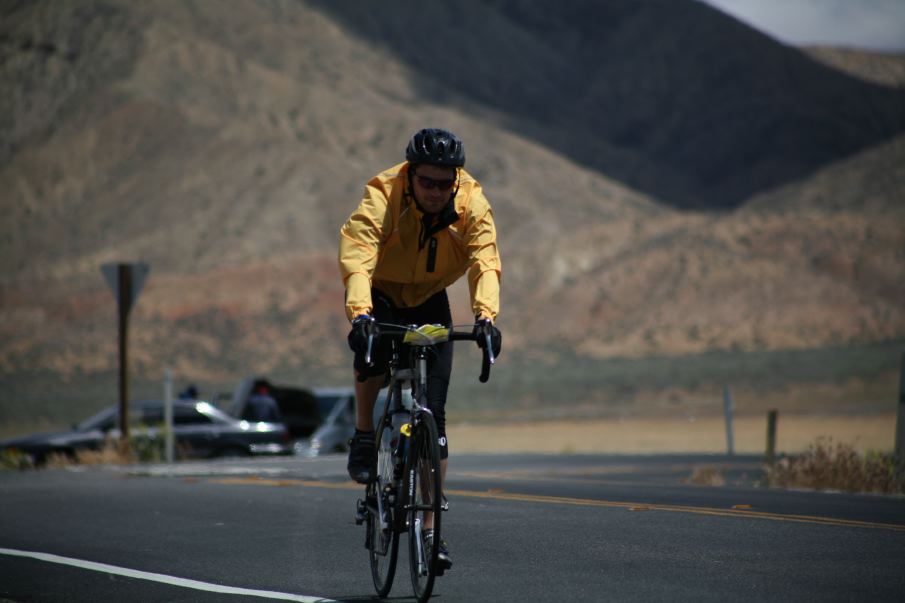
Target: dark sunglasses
429 183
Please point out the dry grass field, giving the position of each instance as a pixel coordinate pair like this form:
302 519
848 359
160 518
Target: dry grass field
651 435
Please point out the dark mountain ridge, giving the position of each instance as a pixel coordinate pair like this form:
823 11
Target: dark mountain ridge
673 98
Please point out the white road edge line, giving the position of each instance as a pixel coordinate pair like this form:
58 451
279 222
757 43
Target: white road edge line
163 578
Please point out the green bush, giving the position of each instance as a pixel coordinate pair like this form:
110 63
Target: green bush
145 449
13 459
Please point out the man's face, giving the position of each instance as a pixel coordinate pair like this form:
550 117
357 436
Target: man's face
432 185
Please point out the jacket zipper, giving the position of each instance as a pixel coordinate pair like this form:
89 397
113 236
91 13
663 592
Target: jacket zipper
432 254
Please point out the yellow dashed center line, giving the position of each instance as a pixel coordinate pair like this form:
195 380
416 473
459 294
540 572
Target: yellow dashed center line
498 494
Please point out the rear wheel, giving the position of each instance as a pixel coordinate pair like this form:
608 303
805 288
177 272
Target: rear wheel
423 508
383 538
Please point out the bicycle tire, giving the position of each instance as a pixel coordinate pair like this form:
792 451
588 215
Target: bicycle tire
383 544
424 496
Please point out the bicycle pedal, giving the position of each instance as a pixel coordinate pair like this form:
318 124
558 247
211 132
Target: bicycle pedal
360 512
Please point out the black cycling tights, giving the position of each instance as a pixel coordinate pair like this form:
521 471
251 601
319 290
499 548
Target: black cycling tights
439 365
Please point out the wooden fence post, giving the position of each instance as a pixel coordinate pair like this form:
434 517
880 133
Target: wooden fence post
900 413
771 437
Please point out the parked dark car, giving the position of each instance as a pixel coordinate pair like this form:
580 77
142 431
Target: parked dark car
200 431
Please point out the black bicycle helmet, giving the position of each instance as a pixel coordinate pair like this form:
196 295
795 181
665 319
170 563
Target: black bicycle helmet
434 146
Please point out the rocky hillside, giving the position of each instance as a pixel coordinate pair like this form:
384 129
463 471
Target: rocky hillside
224 144
886 69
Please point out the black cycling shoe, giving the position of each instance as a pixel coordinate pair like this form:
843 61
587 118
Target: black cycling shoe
362 465
444 561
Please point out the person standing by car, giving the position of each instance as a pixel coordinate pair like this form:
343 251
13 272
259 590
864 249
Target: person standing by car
421 225
262 406
189 393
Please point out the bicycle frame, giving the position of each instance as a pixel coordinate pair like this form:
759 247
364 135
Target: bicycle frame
406 491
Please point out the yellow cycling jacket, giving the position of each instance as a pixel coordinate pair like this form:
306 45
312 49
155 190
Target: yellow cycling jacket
380 246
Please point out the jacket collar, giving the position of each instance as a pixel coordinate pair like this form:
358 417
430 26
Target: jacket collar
431 224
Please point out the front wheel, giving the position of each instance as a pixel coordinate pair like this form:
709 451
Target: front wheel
423 505
383 538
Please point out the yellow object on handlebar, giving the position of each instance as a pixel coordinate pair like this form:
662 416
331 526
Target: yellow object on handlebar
427 335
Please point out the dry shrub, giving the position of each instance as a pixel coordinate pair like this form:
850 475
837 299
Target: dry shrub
706 476
111 453
141 449
828 465
108 454
56 460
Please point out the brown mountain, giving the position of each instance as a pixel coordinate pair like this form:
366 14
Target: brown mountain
225 144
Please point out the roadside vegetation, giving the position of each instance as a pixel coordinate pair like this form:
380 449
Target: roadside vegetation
141 449
826 465
829 465
847 379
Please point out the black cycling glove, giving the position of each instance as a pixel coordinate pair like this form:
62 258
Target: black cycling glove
358 337
362 327
496 338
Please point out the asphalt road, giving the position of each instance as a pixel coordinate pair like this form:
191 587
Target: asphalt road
520 528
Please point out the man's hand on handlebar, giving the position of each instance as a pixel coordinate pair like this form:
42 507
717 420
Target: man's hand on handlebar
360 338
362 327
483 328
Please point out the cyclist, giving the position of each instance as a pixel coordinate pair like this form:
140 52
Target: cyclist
421 225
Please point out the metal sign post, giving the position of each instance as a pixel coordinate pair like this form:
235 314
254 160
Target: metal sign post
168 414
126 281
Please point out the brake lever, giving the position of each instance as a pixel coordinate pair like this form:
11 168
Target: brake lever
489 345
371 331
368 354
488 355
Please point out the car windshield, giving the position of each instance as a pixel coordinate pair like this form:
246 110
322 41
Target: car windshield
212 413
104 420
326 403
150 414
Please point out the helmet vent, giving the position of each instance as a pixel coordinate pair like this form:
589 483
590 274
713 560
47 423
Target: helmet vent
435 146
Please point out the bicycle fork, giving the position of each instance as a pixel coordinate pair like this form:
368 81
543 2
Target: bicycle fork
422 554
380 510
422 558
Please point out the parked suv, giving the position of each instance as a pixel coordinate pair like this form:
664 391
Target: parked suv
337 405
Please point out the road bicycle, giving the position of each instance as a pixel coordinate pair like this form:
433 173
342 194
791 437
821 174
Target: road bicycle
406 493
